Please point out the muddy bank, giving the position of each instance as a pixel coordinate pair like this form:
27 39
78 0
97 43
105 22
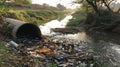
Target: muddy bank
66 30
107 45
104 35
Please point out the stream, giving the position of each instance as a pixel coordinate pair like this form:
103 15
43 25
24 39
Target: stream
46 28
108 50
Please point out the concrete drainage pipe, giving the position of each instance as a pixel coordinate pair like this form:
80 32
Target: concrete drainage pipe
23 29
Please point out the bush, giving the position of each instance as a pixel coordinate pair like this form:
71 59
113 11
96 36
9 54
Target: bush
104 21
77 21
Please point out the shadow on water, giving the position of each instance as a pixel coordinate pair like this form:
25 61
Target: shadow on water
107 45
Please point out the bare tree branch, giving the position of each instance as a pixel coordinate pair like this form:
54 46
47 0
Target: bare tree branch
110 2
104 1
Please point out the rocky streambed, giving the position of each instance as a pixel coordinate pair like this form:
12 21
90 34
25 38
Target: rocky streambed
57 51
64 50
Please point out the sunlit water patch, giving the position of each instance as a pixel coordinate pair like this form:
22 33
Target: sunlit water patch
81 36
46 28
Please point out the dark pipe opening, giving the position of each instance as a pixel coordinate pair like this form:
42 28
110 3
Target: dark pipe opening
29 31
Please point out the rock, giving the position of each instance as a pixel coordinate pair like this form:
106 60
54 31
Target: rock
63 52
13 43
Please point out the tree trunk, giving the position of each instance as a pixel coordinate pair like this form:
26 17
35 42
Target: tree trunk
94 6
107 6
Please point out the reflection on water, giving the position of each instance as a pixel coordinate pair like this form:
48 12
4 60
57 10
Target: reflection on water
46 29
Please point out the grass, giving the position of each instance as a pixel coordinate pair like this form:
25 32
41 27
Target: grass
3 49
4 54
24 6
38 17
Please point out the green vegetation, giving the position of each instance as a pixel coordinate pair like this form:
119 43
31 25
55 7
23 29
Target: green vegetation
3 11
52 65
34 16
22 6
2 8
77 20
106 21
92 15
29 6
23 1
3 49
38 14
6 56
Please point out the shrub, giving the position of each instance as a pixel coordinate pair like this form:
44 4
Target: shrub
77 20
104 21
